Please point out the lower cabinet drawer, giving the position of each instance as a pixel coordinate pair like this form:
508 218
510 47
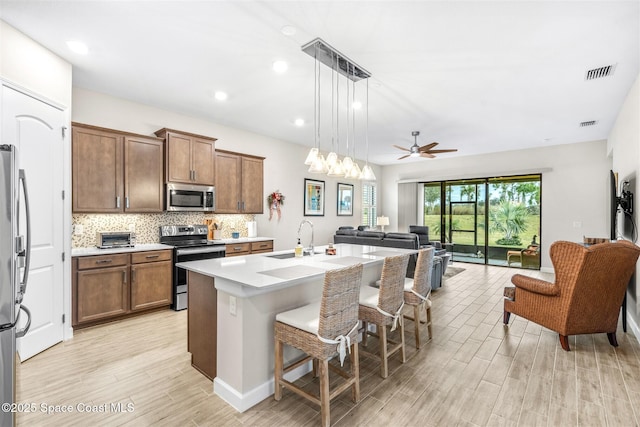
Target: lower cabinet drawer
101 261
265 246
238 249
150 256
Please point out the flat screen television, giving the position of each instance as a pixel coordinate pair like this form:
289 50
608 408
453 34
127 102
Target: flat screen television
613 203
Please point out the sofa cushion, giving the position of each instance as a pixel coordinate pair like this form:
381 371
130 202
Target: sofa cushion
346 232
371 234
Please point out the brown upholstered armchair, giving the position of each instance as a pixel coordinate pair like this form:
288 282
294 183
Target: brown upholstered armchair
585 298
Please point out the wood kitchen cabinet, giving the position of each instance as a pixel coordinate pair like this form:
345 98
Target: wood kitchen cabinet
248 248
150 279
190 158
102 290
109 287
115 171
239 183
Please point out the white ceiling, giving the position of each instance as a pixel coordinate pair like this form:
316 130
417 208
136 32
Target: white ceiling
479 76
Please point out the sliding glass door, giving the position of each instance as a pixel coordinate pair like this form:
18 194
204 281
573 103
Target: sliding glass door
487 221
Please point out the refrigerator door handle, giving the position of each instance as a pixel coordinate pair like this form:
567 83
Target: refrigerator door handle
27 255
22 332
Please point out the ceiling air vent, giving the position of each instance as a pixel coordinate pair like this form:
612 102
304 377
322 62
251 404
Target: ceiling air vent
598 73
589 123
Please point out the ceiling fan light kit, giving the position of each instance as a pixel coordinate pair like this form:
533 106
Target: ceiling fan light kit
425 151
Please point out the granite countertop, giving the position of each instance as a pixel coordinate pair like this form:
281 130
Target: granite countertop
77 252
241 240
265 272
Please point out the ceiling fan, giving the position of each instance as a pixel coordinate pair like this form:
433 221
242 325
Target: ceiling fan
424 151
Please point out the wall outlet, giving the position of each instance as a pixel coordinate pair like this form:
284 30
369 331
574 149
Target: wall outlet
232 305
577 224
132 227
78 229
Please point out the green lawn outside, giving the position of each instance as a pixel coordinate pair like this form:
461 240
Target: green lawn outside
465 222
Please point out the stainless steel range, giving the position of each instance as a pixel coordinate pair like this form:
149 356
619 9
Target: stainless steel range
190 244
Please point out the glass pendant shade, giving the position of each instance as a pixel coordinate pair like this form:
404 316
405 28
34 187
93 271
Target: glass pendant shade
347 164
313 154
332 157
318 165
337 169
355 172
367 173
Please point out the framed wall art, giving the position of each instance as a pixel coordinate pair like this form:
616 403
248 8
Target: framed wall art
345 199
313 197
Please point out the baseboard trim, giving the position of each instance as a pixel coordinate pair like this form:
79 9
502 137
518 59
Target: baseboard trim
243 401
633 326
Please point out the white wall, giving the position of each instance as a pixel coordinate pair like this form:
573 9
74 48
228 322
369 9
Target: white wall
624 141
574 185
27 64
283 167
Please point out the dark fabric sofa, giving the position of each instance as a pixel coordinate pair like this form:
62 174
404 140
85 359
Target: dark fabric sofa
389 240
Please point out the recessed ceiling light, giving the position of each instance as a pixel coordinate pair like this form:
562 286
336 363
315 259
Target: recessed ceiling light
280 66
299 122
221 96
288 30
357 105
77 47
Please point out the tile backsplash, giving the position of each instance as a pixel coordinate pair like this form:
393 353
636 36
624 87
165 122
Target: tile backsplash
146 226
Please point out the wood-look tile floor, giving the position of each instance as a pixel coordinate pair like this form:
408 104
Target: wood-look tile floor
475 372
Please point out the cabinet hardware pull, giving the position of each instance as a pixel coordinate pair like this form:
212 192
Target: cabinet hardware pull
238 208
152 256
118 202
103 261
237 248
133 276
242 206
195 175
263 245
126 202
124 277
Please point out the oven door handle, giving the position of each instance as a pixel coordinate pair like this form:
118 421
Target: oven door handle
203 250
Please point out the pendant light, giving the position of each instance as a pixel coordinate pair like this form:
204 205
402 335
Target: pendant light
318 165
347 162
332 157
367 172
336 169
354 172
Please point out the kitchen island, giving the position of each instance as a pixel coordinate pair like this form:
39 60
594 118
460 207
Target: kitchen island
241 297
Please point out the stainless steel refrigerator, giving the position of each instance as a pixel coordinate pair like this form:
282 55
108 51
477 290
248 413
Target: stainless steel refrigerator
14 271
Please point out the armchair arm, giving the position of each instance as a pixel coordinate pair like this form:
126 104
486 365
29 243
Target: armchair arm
536 286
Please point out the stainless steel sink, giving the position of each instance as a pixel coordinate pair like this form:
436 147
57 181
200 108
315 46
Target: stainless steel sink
288 255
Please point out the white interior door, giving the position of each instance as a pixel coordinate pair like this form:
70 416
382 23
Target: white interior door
35 127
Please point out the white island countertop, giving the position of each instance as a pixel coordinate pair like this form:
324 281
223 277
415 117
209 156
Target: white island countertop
249 275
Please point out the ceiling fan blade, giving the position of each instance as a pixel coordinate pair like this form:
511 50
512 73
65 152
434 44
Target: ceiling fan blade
428 146
430 156
401 148
403 157
443 151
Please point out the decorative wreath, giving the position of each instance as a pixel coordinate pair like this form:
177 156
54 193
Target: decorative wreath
275 200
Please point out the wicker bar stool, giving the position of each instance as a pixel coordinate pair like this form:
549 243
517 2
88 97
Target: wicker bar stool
418 290
333 332
383 307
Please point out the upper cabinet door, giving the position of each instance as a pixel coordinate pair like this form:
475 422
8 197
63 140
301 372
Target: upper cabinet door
97 171
202 160
252 185
143 166
228 182
179 159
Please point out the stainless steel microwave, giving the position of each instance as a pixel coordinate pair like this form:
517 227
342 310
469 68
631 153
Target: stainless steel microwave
190 198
